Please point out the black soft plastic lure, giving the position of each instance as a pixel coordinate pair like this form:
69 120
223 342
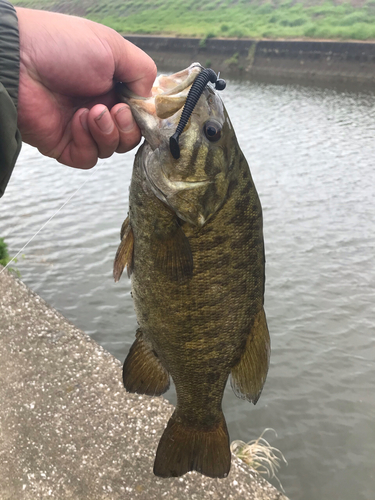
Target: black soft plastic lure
207 75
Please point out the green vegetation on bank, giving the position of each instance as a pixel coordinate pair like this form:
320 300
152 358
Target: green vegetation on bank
4 255
5 258
227 18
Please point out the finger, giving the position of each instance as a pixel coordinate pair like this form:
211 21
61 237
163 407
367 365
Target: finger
81 150
103 130
130 135
134 67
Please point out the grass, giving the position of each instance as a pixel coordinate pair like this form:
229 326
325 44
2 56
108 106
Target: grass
258 19
5 257
260 455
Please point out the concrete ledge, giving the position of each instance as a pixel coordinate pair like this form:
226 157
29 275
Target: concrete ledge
312 60
69 430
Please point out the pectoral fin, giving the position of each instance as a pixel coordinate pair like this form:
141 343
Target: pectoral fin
173 253
124 254
143 371
249 375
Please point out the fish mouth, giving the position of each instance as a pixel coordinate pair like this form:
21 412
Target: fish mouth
159 114
165 84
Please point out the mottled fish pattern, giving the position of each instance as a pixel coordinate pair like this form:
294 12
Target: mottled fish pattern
198 290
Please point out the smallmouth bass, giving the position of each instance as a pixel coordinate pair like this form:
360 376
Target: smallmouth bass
193 246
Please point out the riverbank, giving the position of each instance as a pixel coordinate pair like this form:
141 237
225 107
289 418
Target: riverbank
352 62
69 430
276 20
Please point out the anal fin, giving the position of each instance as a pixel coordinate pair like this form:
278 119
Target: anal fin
183 448
248 377
143 371
124 227
124 254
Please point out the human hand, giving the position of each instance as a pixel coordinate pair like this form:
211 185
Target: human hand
67 107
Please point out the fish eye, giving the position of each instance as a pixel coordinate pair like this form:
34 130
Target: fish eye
212 130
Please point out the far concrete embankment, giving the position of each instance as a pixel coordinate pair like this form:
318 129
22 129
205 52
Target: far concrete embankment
313 60
68 428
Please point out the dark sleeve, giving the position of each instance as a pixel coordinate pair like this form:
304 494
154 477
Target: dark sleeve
10 137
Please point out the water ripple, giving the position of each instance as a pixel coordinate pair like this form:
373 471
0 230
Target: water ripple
311 152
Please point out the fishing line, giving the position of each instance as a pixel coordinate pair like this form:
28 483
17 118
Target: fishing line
44 225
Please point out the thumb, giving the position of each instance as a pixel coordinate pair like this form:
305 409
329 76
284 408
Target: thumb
134 67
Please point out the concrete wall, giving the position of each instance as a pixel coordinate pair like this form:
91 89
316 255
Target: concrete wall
68 428
332 61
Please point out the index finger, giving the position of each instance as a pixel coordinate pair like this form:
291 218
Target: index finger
134 67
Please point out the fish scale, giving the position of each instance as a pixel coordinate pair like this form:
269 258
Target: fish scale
197 262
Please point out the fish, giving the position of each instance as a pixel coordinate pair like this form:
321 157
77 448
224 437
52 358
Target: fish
192 244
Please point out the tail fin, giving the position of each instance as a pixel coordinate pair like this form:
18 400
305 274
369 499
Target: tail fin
182 449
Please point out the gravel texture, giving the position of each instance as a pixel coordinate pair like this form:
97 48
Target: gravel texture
68 428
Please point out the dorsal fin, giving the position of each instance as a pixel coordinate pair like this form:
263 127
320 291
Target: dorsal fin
249 375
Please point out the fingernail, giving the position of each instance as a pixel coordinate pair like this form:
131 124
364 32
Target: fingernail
83 120
124 119
105 122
